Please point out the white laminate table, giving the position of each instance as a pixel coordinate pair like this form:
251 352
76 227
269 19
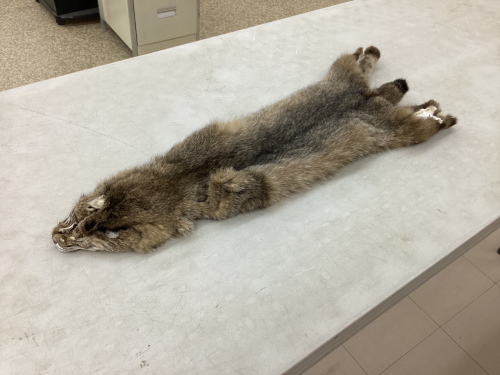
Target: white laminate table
266 292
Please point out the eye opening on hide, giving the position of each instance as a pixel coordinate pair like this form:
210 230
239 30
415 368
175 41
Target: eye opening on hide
90 225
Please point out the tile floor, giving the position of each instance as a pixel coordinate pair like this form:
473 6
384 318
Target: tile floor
449 326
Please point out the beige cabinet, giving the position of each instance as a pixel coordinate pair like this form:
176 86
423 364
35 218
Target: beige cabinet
152 25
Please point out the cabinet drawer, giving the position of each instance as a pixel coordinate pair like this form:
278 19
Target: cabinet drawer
156 22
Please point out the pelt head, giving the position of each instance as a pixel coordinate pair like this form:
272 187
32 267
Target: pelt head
136 210
72 233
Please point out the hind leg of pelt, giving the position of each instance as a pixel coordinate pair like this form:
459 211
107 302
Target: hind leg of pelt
347 69
232 192
368 59
412 125
393 91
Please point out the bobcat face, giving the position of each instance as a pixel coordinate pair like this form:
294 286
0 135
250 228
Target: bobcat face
70 235
122 214
88 221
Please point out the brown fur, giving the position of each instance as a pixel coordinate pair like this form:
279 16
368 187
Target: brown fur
237 166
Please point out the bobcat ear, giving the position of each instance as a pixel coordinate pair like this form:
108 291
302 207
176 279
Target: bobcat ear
97 203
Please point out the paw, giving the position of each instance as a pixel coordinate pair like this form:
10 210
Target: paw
373 51
184 227
358 53
230 181
428 113
401 85
434 104
448 122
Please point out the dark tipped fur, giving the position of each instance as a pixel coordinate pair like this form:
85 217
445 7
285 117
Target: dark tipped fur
231 167
373 51
401 85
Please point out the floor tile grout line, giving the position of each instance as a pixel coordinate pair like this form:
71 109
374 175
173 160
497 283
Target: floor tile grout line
468 305
413 347
416 304
404 355
361 367
465 351
440 325
478 268
424 310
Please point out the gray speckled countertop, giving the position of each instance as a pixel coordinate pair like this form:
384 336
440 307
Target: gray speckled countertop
258 293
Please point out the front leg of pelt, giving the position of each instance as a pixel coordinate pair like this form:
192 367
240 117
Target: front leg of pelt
231 192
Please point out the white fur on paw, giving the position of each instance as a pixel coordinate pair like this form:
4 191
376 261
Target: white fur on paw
428 113
111 234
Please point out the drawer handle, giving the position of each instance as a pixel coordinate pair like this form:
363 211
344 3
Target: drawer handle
166 12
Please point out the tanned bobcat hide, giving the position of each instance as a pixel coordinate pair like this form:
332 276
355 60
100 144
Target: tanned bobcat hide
231 167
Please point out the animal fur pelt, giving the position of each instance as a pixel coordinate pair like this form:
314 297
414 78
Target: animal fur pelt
247 164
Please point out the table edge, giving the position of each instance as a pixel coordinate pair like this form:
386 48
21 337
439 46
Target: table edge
352 329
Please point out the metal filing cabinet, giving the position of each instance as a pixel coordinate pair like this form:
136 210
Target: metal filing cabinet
152 25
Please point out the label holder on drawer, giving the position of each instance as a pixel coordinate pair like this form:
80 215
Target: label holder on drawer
166 12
